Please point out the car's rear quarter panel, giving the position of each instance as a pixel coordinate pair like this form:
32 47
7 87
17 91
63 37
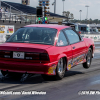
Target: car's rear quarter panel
55 53
89 42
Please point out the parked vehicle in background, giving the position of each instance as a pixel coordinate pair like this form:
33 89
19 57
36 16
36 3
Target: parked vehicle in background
88 29
98 27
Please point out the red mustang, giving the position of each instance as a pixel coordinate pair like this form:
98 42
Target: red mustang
45 49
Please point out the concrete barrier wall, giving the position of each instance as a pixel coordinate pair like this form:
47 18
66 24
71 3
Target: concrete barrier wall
94 37
17 24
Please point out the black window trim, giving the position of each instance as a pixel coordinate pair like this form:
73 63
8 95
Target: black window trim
76 33
65 37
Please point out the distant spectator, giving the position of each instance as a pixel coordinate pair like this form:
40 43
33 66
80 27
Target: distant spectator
6 9
7 14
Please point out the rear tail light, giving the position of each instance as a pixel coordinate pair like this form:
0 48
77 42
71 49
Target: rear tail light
44 56
5 54
30 56
34 56
37 56
1 53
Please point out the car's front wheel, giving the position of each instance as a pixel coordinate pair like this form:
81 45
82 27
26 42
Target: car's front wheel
88 59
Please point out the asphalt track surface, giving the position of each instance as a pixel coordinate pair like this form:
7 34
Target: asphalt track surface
75 80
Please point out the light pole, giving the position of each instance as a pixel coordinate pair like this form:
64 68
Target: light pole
54 3
0 4
55 7
87 12
80 14
63 7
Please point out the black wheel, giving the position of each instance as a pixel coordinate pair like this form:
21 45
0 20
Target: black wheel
60 70
4 72
88 59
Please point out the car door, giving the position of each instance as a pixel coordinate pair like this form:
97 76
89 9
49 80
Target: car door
78 46
63 47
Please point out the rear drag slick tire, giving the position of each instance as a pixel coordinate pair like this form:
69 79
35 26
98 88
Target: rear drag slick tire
88 59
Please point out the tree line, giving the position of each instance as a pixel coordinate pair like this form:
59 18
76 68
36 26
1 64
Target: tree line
70 18
85 21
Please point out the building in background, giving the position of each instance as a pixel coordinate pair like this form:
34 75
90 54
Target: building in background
26 2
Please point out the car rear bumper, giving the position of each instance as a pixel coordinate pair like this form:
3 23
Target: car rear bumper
23 67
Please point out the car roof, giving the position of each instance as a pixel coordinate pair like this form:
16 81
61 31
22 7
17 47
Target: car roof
58 27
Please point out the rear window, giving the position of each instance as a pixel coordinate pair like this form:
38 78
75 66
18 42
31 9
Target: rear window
34 35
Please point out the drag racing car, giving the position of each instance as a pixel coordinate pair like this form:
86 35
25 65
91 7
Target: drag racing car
49 50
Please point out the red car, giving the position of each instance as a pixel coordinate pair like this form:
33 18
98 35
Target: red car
45 49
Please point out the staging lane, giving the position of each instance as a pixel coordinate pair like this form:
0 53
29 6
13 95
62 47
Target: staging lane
77 79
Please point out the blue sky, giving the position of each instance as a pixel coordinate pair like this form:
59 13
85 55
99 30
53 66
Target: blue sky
73 6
